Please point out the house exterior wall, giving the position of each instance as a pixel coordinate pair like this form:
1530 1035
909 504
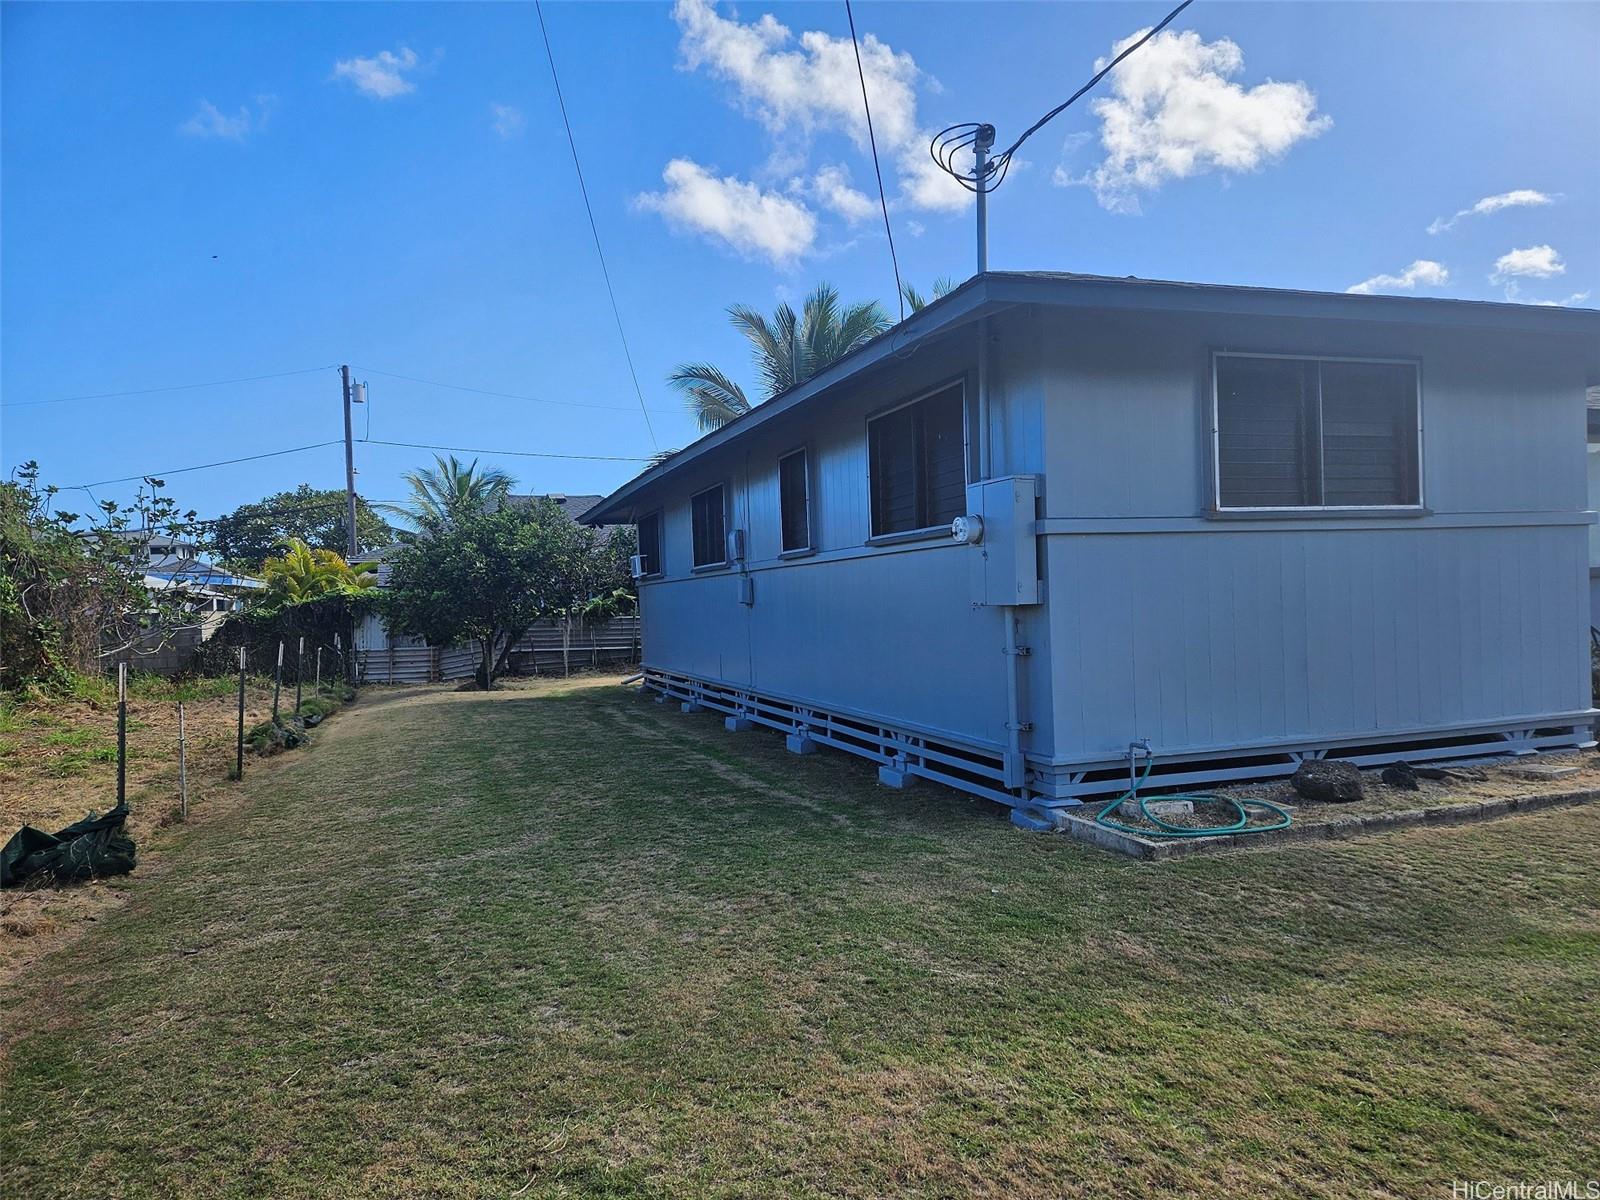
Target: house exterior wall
1205 633
887 630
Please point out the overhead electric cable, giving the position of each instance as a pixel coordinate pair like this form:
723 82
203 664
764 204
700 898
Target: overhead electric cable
176 387
227 462
953 139
514 453
872 138
593 228
457 387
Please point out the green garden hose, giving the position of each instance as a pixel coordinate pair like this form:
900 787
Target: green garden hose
1167 828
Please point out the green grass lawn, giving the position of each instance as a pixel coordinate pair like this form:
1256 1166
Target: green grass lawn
560 941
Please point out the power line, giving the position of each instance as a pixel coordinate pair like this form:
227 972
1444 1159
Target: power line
593 228
176 387
457 387
953 139
872 138
227 462
515 453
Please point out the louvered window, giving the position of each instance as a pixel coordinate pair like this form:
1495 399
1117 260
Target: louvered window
1316 433
709 519
650 544
794 500
917 462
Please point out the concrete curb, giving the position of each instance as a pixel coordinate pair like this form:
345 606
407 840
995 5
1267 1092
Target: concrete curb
1083 828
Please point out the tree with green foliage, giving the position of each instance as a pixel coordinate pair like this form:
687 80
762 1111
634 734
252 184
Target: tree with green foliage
71 593
253 533
310 593
302 573
788 349
490 574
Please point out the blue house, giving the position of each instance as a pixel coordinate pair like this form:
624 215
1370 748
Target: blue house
1052 515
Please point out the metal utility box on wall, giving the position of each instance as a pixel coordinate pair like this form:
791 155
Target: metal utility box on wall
1006 557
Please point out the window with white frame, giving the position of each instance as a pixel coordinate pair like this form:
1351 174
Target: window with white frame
794 500
1294 432
709 518
916 458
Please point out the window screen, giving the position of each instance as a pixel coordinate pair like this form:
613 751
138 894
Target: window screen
1304 433
650 544
917 462
709 519
794 500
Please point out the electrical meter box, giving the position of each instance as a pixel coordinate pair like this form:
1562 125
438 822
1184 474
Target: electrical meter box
1005 556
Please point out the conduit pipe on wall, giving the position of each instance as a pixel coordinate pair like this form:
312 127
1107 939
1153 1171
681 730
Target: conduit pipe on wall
1016 725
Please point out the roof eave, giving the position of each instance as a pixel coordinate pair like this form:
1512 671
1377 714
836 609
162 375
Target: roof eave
984 294
956 308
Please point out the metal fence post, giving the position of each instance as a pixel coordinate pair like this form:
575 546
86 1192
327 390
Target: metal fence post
122 734
277 683
183 768
238 766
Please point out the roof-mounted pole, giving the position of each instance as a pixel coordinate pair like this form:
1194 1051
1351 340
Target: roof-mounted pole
982 144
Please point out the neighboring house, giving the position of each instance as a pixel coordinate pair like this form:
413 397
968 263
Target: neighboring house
1248 525
386 657
174 564
173 571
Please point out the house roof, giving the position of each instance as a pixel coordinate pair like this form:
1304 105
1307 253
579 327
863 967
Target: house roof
198 573
576 507
993 292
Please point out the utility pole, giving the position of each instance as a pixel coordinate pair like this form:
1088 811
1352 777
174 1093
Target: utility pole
982 144
351 549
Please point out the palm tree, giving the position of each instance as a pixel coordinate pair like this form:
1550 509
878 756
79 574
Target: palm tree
788 349
452 489
916 301
301 574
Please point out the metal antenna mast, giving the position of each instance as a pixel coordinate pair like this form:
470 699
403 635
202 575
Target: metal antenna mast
982 144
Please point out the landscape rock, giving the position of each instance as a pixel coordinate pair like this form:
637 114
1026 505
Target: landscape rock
1328 780
1400 775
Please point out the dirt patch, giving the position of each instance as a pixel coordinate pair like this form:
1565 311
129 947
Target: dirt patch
58 762
1477 780
1470 790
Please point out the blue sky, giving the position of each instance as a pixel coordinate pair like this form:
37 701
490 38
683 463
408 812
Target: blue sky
199 193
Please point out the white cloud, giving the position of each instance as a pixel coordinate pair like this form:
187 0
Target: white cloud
1575 298
1533 262
1518 198
831 187
798 88
1174 113
1424 272
383 76
209 121
507 119
754 222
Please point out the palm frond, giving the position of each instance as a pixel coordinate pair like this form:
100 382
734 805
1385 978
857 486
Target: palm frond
859 325
713 397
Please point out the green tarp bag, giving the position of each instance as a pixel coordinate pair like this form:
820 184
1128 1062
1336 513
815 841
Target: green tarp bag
87 849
